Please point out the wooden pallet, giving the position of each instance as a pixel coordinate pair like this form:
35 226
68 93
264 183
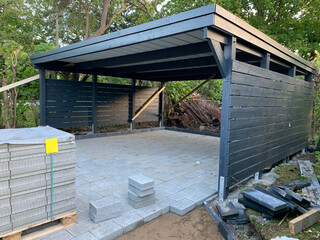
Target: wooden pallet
65 221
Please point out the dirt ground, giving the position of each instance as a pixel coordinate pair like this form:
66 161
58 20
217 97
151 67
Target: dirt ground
196 225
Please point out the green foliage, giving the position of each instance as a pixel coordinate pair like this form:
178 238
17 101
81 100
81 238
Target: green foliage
178 89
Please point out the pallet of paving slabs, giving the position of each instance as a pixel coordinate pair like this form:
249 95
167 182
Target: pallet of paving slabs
41 229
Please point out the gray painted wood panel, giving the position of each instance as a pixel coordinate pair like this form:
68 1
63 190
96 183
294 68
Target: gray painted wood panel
69 104
270 119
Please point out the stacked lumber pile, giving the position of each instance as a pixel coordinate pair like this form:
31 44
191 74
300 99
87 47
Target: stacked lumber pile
197 113
25 177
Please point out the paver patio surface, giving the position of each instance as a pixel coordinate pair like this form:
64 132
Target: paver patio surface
184 168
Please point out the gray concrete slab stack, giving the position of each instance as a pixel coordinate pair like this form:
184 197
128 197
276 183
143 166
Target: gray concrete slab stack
25 177
141 191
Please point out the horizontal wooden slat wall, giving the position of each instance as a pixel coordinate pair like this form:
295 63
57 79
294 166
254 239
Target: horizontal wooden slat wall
69 103
270 119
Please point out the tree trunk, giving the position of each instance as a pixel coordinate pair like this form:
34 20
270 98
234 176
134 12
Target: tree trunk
87 23
6 104
57 31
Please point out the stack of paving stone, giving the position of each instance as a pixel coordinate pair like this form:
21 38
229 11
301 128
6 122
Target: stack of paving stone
105 208
25 177
141 191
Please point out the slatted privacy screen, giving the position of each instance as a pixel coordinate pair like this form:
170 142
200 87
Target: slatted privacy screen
69 103
270 119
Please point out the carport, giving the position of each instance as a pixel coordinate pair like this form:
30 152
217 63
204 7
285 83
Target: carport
266 110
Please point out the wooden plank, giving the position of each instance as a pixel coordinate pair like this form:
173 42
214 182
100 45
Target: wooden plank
19 83
304 221
66 220
258 156
241 123
251 142
248 69
240 101
265 146
147 103
261 130
255 91
252 112
244 173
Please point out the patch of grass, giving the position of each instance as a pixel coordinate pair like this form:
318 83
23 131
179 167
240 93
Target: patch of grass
287 173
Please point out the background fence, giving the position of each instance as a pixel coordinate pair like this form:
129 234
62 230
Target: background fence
69 103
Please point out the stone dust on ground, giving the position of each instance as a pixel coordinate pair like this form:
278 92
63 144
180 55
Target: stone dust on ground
196 225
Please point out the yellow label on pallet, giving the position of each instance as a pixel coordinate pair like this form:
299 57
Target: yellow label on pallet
51 145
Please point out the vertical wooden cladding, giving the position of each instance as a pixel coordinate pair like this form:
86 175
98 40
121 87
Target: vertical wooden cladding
69 103
270 119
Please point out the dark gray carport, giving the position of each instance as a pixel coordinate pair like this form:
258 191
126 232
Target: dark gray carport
193 46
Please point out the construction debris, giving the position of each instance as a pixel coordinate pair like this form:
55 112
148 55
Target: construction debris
27 194
304 221
197 114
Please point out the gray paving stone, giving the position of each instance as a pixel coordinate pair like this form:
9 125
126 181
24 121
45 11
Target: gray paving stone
108 231
134 197
141 193
81 227
141 182
105 216
141 204
182 207
105 205
130 221
85 236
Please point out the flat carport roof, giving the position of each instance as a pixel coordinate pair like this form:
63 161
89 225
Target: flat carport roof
173 48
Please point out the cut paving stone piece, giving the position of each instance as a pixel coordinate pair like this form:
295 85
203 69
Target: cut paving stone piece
141 204
265 200
236 204
108 231
281 192
129 222
227 210
141 193
134 197
141 182
182 207
240 219
105 208
297 198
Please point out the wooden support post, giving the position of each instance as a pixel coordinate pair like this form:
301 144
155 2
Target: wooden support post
229 56
292 71
265 61
309 77
146 104
43 97
94 103
161 106
132 105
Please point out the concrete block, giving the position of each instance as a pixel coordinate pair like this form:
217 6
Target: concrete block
240 219
141 193
134 197
28 214
129 221
6 229
56 206
29 204
164 205
105 205
105 216
58 197
5 220
182 207
26 222
85 236
154 213
4 202
108 231
27 197
141 204
5 211
141 182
